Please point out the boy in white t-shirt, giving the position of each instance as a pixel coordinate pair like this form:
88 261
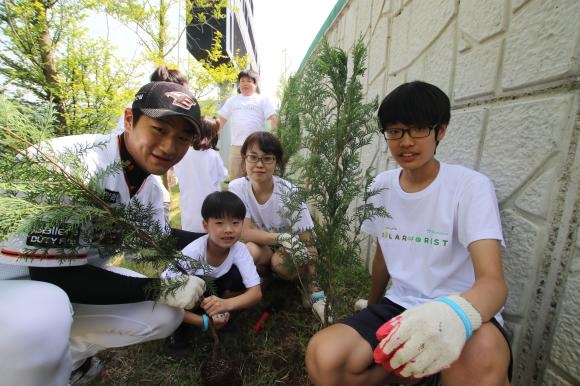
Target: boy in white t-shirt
230 264
440 248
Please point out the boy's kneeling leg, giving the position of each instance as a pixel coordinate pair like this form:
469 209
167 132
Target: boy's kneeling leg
485 360
338 355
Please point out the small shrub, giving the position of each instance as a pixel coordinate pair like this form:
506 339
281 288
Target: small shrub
325 106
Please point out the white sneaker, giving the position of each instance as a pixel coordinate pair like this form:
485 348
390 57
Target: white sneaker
318 300
360 305
90 370
318 308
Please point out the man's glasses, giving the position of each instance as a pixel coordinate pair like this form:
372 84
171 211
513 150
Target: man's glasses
266 159
414 132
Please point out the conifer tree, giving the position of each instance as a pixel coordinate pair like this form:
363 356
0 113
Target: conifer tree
335 123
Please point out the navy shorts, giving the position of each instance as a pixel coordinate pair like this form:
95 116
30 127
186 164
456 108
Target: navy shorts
231 281
368 321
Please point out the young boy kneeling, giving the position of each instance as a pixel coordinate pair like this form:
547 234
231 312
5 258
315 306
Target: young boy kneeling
235 279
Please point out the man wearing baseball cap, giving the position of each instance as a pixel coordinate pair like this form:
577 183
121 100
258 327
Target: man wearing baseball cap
53 325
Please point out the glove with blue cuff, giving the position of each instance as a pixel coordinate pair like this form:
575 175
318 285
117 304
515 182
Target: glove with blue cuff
427 338
187 295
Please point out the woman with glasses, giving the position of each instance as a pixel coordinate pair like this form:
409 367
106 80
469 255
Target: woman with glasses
269 235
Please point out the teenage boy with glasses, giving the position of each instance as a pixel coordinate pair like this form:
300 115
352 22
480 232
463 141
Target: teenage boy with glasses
440 248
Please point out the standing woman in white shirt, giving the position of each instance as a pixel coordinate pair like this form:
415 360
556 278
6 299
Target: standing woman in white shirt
265 229
247 113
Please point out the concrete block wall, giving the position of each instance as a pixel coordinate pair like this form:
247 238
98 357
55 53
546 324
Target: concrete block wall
511 69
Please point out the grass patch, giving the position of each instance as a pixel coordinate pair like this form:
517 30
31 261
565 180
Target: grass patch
174 210
274 356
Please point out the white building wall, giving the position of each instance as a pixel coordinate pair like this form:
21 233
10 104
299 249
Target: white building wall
511 69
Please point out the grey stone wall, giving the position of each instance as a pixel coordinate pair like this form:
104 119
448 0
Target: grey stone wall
511 69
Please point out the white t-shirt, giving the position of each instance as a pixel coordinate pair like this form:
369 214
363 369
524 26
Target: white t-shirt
425 241
95 158
198 174
268 216
246 115
238 255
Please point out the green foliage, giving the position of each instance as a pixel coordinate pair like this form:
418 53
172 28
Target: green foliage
289 130
151 23
91 79
218 72
336 124
46 57
216 11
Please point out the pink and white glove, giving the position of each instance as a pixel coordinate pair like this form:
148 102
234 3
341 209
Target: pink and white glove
187 295
427 338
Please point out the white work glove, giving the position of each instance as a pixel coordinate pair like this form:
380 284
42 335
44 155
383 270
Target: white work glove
187 295
426 339
294 246
360 305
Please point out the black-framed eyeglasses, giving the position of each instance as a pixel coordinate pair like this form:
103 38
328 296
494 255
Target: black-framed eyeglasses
414 132
265 159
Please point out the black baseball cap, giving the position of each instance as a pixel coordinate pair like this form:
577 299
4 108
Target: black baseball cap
166 99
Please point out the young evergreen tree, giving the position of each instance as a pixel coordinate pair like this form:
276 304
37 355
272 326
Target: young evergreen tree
335 124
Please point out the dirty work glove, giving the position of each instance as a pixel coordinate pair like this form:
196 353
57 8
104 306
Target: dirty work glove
220 320
427 338
187 295
287 240
294 246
